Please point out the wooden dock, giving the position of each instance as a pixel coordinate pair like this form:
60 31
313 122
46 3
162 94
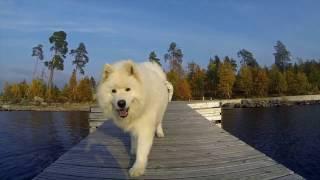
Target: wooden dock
193 148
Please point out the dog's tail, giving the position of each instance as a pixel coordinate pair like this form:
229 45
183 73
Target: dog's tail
170 89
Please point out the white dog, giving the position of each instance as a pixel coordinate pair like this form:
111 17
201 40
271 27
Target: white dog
135 97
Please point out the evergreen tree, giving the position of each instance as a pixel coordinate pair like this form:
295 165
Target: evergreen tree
153 58
247 58
212 77
232 62
196 78
282 56
80 57
38 53
60 49
174 57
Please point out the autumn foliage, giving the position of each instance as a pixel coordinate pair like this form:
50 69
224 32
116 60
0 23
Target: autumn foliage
222 78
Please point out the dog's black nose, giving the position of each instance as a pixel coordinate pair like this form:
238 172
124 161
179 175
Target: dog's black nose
122 103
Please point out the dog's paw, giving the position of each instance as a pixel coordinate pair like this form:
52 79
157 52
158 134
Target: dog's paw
160 134
136 171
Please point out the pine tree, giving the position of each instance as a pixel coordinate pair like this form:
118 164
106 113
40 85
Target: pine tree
80 57
282 56
196 78
247 58
174 57
153 58
38 53
212 78
60 49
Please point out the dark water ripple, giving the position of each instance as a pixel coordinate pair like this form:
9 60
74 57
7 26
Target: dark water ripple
30 141
290 135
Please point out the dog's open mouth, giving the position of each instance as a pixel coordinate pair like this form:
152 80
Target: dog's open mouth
123 112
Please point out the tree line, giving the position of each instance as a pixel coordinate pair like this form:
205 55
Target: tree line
222 78
40 89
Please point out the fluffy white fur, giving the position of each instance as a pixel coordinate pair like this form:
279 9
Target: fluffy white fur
146 91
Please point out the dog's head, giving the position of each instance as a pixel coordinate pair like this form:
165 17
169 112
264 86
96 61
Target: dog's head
120 89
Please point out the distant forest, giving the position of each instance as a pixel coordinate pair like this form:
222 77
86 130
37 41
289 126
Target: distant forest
42 90
222 78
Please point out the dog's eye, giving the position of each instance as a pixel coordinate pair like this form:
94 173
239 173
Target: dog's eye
128 89
114 91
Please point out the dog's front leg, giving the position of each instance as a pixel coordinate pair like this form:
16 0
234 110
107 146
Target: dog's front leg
144 143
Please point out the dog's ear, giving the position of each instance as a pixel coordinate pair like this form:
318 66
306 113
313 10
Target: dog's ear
131 69
107 70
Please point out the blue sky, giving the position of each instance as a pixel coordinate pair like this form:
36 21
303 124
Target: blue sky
114 30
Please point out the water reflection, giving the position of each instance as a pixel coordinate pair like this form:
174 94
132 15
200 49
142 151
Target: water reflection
30 141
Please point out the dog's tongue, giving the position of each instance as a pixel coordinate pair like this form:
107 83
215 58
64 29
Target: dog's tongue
123 113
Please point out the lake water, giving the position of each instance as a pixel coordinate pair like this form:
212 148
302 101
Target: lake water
30 141
290 135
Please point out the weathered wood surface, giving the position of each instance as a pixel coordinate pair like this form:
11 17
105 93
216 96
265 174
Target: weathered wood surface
192 149
200 105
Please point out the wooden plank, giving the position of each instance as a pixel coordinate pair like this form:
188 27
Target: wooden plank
192 149
289 177
96 115
213 104
213 111
213 118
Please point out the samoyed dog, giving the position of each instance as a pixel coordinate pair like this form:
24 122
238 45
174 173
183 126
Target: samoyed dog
135 97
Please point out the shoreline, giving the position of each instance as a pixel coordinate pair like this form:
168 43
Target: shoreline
225 104
57 107
266 102
270 101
